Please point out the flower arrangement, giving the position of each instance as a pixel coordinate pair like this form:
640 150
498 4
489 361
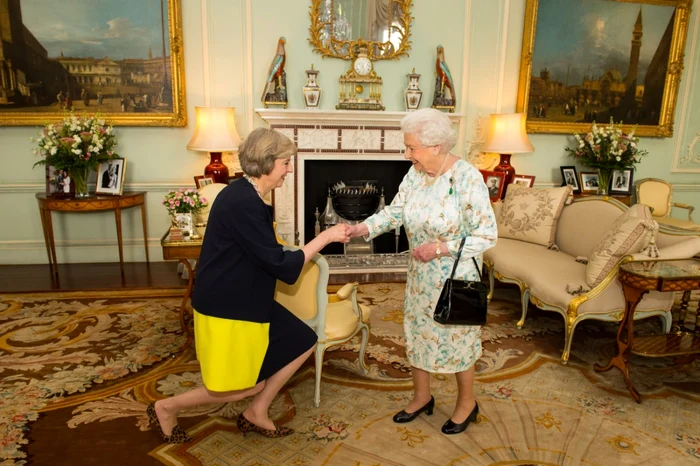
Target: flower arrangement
184 201
607 148
76 142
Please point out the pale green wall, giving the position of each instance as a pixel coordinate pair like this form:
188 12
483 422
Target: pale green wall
483 53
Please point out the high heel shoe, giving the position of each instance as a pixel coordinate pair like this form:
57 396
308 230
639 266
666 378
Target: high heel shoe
177 435
245 426
402 416
450 427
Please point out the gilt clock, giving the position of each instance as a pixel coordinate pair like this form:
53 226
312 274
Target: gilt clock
360 86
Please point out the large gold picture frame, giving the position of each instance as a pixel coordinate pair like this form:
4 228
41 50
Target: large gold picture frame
123 60
592 60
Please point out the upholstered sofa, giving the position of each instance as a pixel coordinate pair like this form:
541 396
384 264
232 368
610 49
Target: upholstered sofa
555 276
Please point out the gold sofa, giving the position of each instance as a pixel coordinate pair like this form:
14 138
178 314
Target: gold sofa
546 277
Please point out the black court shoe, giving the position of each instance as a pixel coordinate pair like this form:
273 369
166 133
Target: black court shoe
403 416
450 427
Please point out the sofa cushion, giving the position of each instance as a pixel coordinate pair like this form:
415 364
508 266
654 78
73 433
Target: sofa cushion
531 214
630 233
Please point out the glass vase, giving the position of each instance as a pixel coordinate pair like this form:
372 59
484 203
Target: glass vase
80 176
604 177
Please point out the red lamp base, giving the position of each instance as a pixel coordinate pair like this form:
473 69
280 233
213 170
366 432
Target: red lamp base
216 168
505 167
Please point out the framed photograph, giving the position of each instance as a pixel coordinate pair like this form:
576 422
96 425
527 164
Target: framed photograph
127 64
494 183
621 182
201 181
589 182
570 177
110 177
524 180
59 182
593 60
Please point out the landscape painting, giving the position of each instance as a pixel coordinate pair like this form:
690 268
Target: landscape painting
122 59
593 60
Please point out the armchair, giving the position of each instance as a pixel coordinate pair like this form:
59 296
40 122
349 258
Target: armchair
335 319
657 194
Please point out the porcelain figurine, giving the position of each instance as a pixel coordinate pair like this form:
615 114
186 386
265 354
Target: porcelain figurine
443 82
275 92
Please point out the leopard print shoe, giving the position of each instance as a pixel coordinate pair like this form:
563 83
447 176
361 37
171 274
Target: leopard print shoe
177 435
245 426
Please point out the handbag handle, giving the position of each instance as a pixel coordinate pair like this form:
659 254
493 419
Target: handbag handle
459 254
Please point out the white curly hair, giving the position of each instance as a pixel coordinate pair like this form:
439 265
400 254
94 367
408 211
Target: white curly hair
432 128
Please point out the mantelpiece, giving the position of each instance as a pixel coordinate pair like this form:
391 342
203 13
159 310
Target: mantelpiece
343 135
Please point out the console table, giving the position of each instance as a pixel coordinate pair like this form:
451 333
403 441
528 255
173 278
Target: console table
638 278
49 204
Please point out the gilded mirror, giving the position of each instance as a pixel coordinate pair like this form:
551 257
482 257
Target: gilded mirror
339 27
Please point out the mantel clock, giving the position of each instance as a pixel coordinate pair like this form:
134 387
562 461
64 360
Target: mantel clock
360 86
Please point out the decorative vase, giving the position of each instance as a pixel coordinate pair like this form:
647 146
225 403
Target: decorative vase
412 95
79 175
604 176
311 91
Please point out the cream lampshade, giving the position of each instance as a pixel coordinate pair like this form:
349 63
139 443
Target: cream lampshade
215 133
507 136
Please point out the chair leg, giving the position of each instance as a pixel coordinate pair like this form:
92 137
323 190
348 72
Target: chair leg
320 350
667 321
570 327
524 302
491 283
363 348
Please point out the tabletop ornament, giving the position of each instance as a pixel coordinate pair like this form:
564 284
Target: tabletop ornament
412 95
443 83
311 91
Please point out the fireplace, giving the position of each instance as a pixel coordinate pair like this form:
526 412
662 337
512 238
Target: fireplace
333 146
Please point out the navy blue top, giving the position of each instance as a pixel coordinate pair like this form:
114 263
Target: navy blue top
241 259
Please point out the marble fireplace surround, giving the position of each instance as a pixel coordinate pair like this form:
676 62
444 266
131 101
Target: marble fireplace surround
344 135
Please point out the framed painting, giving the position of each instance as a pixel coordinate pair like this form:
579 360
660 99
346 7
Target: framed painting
589 182
110 177
127 65
524 180
595 60
621 181
201 181
495 184
570 178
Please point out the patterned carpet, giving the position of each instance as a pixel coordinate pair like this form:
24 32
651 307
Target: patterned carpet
78 370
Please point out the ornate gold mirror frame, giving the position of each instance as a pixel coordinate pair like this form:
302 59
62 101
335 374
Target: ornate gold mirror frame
328 33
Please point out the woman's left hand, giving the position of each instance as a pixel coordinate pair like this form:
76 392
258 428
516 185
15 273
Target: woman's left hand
425 252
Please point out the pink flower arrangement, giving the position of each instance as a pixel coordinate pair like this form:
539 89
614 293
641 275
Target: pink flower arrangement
184 201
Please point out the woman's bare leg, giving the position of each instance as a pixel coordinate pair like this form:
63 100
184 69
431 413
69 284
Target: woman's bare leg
257 409
465 397
167 409
421 390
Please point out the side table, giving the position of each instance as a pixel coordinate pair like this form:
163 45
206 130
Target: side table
182 251
90 204
638 278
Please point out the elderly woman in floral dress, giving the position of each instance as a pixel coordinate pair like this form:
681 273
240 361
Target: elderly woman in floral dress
441 200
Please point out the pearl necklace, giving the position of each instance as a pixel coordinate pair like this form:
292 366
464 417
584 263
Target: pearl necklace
431 181
255 186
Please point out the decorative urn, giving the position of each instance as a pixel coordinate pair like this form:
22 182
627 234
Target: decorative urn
311 91
412 95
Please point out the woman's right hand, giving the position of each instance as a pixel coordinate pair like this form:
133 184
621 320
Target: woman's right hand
339 233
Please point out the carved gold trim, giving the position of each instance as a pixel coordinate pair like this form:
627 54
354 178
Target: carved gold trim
176 118
673 75
348 49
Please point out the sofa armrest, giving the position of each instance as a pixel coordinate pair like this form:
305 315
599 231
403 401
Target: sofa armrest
683 250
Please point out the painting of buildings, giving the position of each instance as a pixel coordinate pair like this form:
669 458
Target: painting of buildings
86 55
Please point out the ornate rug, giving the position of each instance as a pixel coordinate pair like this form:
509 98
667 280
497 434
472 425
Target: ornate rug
78 370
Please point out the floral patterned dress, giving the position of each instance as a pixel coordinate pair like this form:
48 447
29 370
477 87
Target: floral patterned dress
430 213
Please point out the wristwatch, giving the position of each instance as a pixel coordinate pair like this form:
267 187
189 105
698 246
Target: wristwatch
438 251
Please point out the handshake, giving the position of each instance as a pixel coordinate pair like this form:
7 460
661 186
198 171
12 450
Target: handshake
342 232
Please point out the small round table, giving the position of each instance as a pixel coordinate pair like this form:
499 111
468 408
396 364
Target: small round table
638 278
48 204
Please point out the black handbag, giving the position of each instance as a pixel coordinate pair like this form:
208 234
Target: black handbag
462 302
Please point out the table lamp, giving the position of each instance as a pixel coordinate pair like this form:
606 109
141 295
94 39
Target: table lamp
507 136
215 133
